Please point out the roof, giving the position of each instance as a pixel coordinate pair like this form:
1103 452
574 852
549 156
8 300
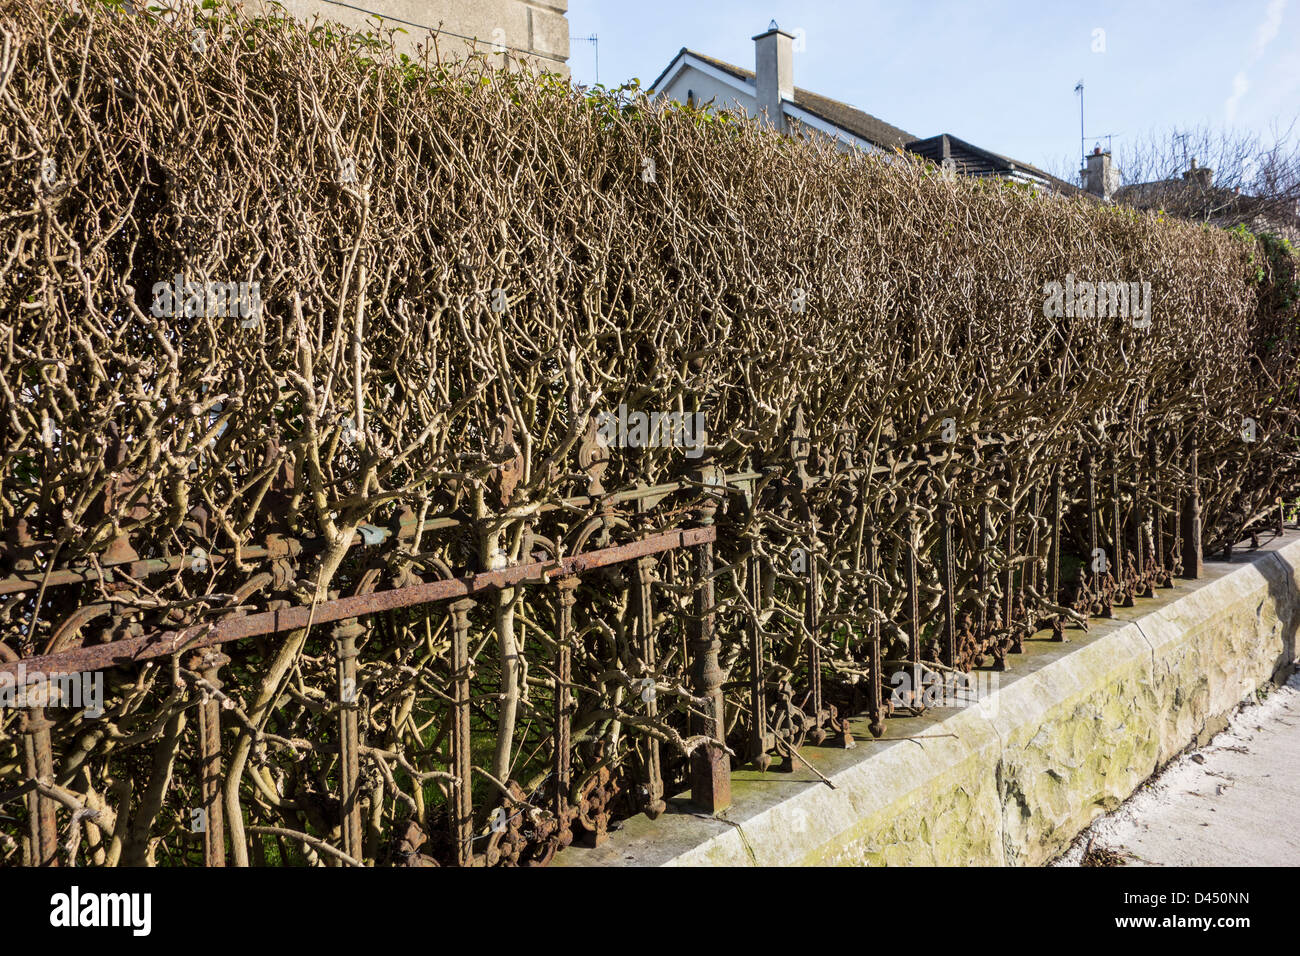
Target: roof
848 118
1215 204
1159 189
971 159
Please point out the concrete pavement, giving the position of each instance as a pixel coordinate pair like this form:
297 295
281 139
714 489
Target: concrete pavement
1234 802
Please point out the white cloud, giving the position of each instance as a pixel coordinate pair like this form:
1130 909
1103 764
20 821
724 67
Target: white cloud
1268 30
1239 87
1266 34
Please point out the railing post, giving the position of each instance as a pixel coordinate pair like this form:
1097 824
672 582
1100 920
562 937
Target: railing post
645 567
758 737
1095 575
1193 565
988 591
345 650
914 607
875 703
1090 477
812 622
461 803
208 663
562 762
1014 634
43 824
1126 557
1034 567
1117 534
1054 556
948 571
983 574
710 766
1145 568
1157 514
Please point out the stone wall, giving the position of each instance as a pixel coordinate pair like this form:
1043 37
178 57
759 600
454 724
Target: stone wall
537 30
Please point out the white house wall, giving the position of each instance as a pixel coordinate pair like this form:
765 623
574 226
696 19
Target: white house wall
689 80
705 88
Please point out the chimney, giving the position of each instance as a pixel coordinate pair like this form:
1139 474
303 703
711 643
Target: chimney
774 72
1099 177
1200 176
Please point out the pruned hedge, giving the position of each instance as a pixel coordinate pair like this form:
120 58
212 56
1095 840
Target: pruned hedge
458 268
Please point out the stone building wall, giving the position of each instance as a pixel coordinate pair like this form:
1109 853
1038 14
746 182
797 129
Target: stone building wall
536 30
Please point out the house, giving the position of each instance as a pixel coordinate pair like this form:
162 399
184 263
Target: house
1194 196
769 94
536 31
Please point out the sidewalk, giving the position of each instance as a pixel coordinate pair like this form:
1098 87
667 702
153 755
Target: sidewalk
1235 802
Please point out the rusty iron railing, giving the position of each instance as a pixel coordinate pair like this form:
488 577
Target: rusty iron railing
201 644
1144 547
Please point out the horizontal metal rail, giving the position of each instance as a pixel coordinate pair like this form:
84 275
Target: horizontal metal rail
136 649
282 546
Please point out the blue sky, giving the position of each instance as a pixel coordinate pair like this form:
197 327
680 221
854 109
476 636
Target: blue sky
997 74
